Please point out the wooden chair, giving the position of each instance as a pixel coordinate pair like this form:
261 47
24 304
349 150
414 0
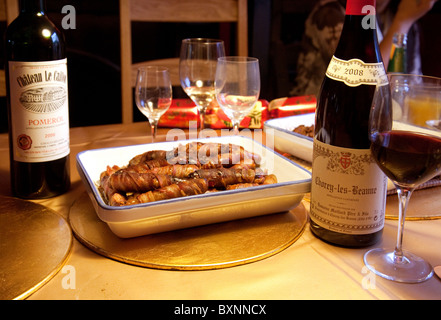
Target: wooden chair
201 11
11 10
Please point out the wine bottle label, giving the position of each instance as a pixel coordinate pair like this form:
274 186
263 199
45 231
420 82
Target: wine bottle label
349 190
355 72
39 110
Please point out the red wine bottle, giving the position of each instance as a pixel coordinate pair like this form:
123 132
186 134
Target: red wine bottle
348 192
37 100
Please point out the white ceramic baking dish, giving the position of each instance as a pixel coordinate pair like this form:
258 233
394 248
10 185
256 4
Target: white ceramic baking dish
285 140
166 215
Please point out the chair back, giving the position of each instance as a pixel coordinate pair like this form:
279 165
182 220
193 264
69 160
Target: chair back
198 11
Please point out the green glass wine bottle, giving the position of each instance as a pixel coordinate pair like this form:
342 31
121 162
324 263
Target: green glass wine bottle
37 100
398 59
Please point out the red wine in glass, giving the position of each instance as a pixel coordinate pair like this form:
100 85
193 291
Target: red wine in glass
406 157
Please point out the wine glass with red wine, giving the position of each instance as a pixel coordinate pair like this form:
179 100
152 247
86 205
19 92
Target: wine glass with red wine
409 152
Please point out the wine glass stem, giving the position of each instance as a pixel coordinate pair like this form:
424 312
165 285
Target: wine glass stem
236 127
154 127
202 118
403 201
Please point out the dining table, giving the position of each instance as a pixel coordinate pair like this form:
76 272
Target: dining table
306 268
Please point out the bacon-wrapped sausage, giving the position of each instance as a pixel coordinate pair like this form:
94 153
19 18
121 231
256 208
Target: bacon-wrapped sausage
150 164
149 155
180 189
126 181
159 167
178 171
265 179
262 180
212 155
112 197
222 177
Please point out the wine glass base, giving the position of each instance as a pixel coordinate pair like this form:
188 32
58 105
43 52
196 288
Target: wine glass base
412 269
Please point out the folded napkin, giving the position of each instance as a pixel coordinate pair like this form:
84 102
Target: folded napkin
292 106
182 111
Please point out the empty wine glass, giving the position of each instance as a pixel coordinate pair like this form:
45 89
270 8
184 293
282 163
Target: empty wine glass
153 94
409 153
237 87
197 68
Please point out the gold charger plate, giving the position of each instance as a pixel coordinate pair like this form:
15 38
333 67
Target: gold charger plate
35 243
207 247
424 204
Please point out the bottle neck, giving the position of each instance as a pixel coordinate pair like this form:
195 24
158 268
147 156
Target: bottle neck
398 58
32 6
358 38
400 40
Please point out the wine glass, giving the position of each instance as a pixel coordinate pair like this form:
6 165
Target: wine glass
237 87
409 153
197 68
436 124
153 94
